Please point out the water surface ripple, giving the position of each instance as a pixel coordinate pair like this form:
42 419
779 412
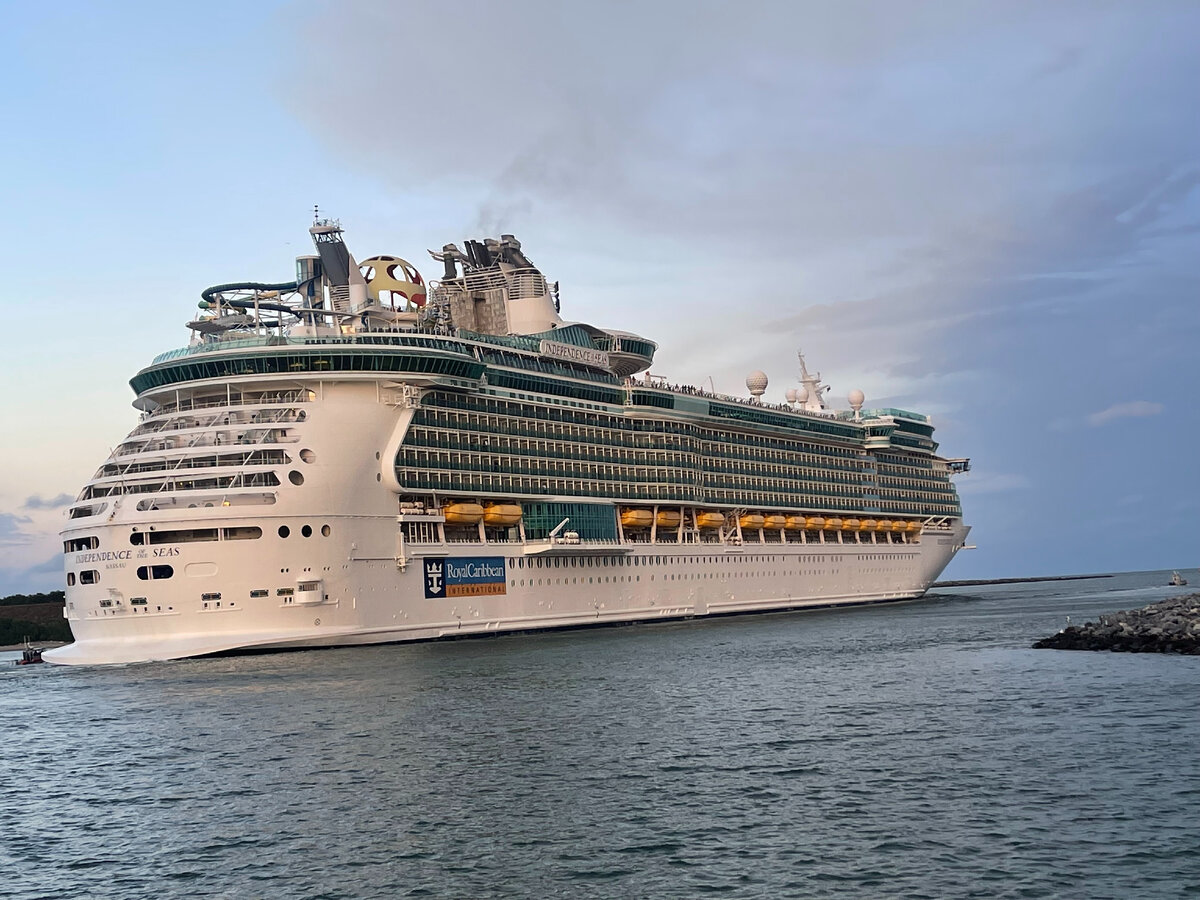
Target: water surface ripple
918 751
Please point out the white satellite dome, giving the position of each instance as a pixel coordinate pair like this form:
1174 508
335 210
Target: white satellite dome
792 395
757 383
802 395
856 399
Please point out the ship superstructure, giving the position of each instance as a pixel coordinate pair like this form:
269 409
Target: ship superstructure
355 457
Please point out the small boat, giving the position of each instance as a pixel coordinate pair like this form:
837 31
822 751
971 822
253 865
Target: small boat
29 656
1177 580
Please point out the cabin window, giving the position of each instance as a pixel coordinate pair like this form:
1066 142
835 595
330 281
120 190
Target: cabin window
155 573
70 579
89 576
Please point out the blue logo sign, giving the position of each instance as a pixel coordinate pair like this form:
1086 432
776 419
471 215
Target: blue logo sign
474 576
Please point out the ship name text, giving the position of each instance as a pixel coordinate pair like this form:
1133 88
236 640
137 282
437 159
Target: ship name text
585 355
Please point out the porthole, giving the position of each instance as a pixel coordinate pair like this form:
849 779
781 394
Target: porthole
307 456
378 476
284 531
325 531
295 477
306 531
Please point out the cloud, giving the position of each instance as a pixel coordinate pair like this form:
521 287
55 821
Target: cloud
1133 409
36 502
901 175
45 576
991 483
12 529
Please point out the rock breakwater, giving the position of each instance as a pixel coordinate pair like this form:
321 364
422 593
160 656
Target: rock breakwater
1170 626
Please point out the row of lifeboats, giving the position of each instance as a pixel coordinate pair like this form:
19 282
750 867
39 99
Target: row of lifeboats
644 518
498 514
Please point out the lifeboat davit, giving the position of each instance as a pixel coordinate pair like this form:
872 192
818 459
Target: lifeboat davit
668 518
795 523
833 524
636 518
775 523
814 523
751 522
505 514
709 520
462 513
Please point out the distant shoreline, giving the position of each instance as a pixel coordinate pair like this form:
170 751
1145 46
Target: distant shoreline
1016 580
44 645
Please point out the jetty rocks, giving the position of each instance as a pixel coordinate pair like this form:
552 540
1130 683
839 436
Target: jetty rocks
1170 626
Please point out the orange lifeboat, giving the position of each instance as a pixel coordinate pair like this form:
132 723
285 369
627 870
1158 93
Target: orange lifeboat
850 524
636 518
914 527
795 523
884 525
462 513
668 518
867 525
833 524
752 522
502 514
709 520
814 523
899 526
775 523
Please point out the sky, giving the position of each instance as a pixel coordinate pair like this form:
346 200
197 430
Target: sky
987 212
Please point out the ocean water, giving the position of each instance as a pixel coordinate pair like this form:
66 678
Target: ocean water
919 750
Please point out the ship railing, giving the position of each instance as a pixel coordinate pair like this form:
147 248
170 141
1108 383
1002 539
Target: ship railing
272 398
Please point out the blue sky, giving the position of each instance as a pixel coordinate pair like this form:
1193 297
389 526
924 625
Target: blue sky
984 211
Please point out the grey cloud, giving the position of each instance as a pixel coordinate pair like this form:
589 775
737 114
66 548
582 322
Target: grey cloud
1133 409
37 502
12 529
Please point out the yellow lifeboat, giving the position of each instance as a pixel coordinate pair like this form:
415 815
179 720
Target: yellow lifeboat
867 525
833 524
636 518
709 520
775 523
752 522
914 527
795 523
814 523
505 514
899 526
462 513
668 518
850 524
884 525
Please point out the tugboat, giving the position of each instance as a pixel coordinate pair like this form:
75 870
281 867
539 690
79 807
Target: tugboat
30 655
1177 580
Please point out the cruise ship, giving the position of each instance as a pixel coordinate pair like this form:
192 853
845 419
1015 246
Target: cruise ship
355 457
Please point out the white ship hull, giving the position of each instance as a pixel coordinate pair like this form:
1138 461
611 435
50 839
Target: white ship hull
374 601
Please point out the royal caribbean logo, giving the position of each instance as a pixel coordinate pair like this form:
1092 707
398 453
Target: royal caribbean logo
469 577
